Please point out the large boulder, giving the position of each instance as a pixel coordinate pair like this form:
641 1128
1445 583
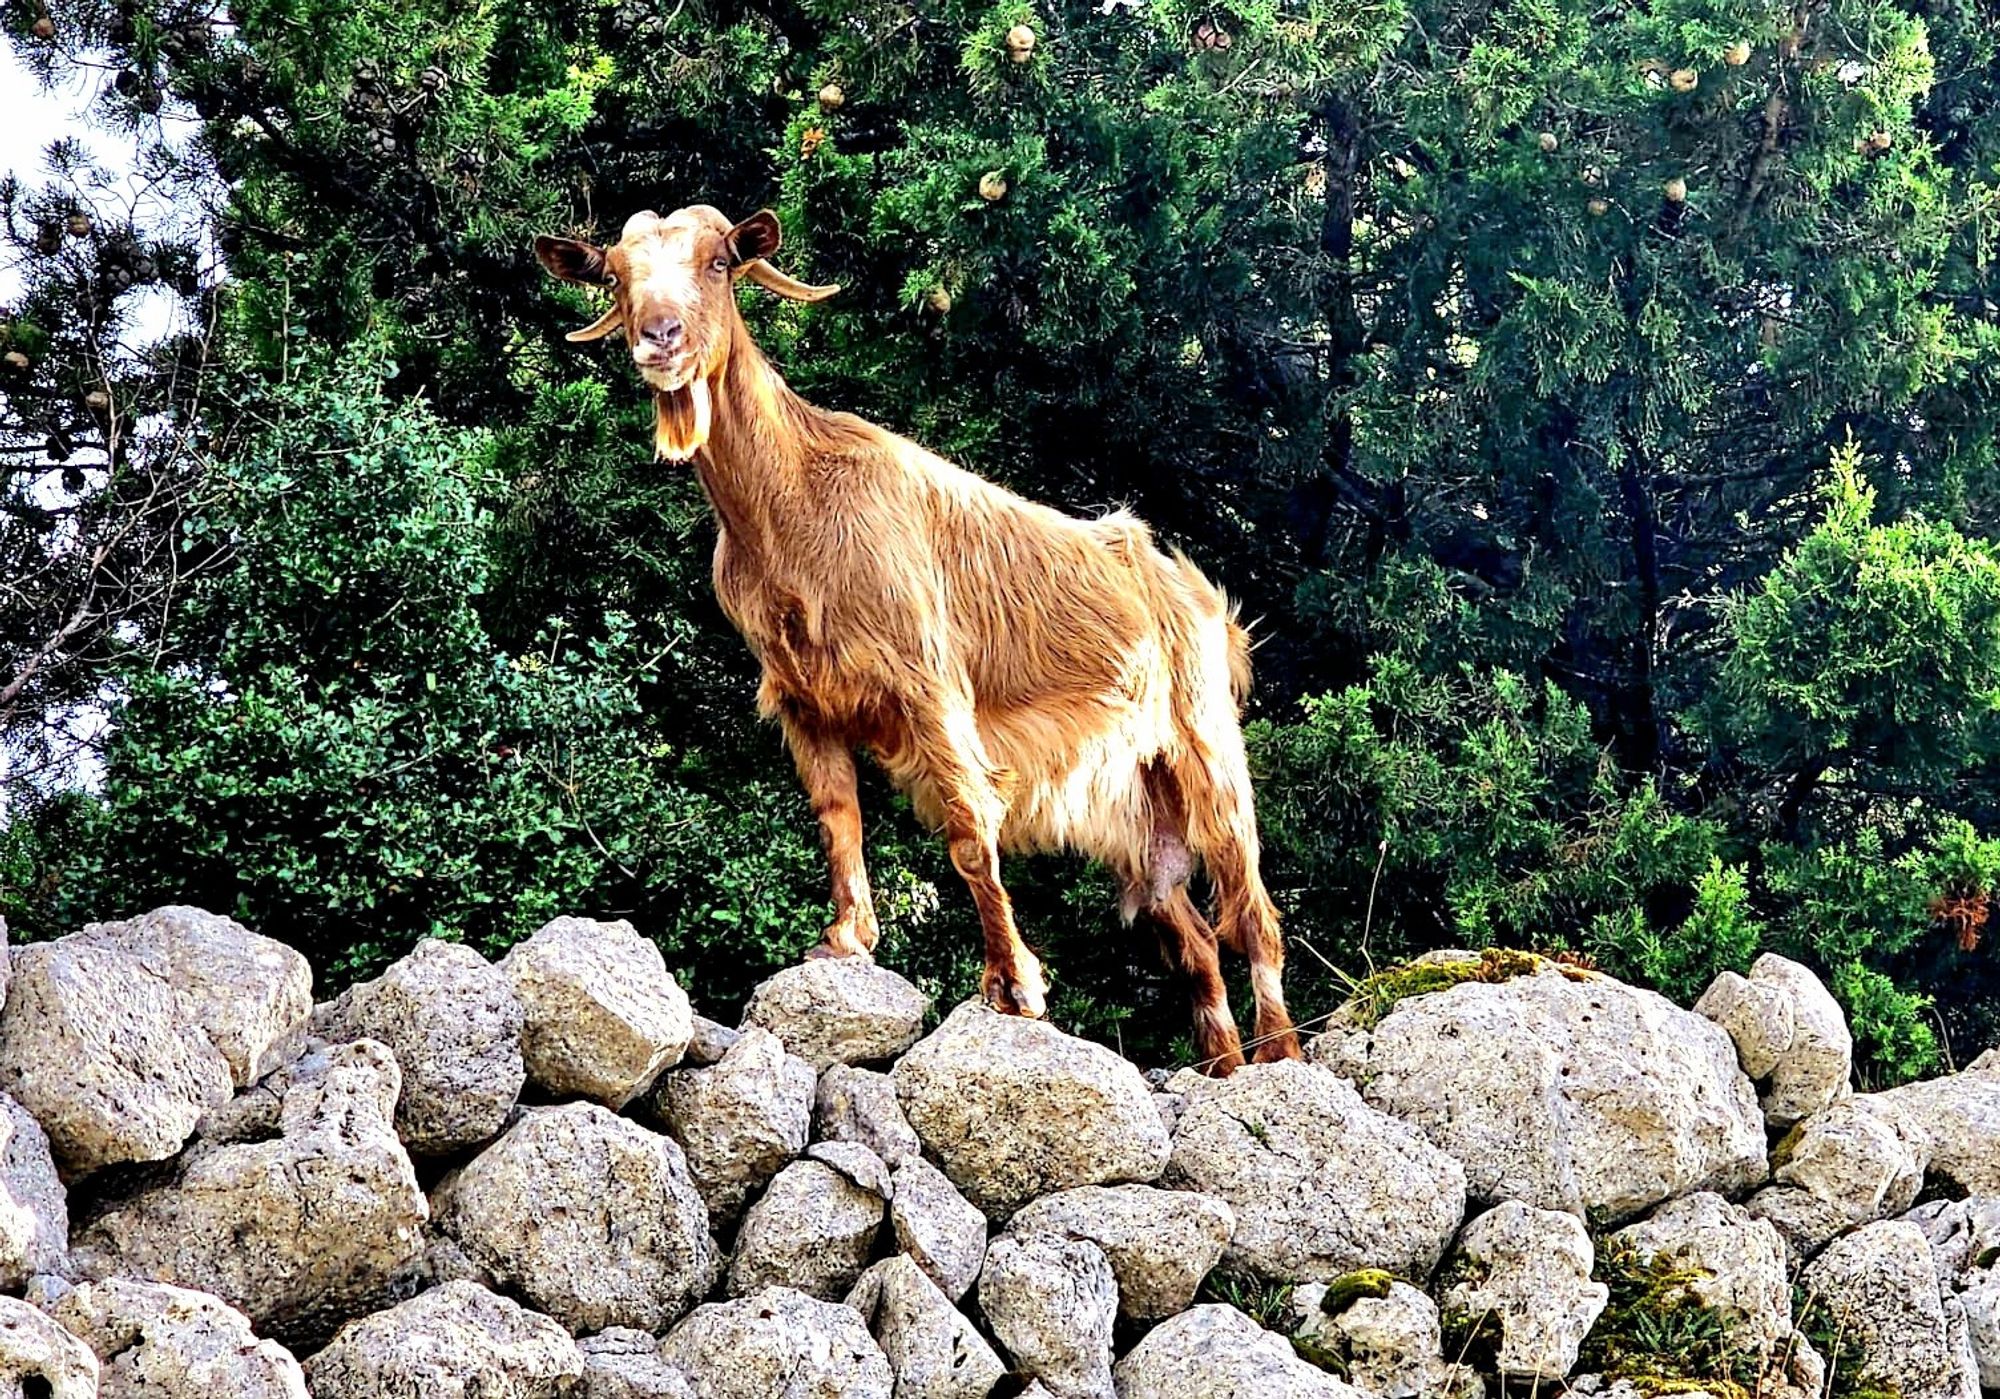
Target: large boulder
934 1352
1563 1089
939 1228
1052 1303
602 1014
458 1341
778 1344
40 1358
1877 1288
1161 1243
621 1363
1529 1270
1385 1335
451 1019
1845 1166
250 995
739 1120
839 1010
1958 1118
311 1217
153 1341
859 1105
1014 1108
1321 1184
1789 1033
813 1230
34 1211
1734 1264
587 1216
97 1050
1216 1352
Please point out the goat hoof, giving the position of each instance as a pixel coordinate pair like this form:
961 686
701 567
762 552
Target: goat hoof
1010 996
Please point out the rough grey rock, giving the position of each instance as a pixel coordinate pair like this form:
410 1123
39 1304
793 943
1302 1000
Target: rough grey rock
1530 1270
96 1048
250 995
451 1019
1981 1303
1321 1183
153 1341
1805 1222
708 1042
739 1120
587 1217
933 1351
458 1341
1565 1090
1161 1243
625 1364
1051 1304
1392 1345
35 1351
1958 1116
859 1105
6 963
1739 1265
1878 1287
939 1228
1964 1234
34 1211
778 1344
1868 1165
839 1010
602 1015
856 1162
813 1230
299 1231
1789 1033
1216 1352
1014 1108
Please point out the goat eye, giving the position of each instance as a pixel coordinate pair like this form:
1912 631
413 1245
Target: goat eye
720 264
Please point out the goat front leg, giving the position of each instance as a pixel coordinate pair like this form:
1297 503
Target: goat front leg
826 767
954 758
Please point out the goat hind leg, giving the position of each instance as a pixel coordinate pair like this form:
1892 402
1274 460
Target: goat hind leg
1191 949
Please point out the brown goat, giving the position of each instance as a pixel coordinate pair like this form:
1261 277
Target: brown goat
1031 680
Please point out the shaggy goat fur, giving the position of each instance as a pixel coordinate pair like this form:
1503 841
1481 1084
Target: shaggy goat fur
1033 681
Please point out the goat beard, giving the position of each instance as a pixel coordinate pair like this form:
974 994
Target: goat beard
680 420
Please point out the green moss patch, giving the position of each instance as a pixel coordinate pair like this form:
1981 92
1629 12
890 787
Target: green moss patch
1381 993
1657 1334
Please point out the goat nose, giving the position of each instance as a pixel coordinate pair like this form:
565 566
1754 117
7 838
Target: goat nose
664 332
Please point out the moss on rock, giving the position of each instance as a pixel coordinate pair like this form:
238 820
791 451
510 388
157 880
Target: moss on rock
1382 992
1658 1335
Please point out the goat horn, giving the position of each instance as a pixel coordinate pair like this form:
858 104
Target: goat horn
791 288
600 327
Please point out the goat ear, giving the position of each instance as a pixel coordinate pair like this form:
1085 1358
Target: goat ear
756 237
571 261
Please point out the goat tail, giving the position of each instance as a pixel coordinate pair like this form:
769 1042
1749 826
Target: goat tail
1239 659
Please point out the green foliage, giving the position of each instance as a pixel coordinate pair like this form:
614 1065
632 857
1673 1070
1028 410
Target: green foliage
1655 1332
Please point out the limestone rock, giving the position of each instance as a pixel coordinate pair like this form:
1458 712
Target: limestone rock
1051 1303
708 1042
1866 1164
859 1105
250 995
1161 1243
458 1341
587 1216
1958 1116
451 1019
159 1342
39 1358
1391 1344
1321 1183
299 1230
1878 1287
778 1344
34 1211
1563 1089
1964 1234
602 1015
938 1227
1981 1304
1014 1108
1739 1263
839 1010
933 1351
856 1162
97 1050
1216 1352
813 1230
1530 1270
739 1119
1789 1033
621 1363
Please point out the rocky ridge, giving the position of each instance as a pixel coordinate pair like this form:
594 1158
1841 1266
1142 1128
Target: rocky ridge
548 1177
